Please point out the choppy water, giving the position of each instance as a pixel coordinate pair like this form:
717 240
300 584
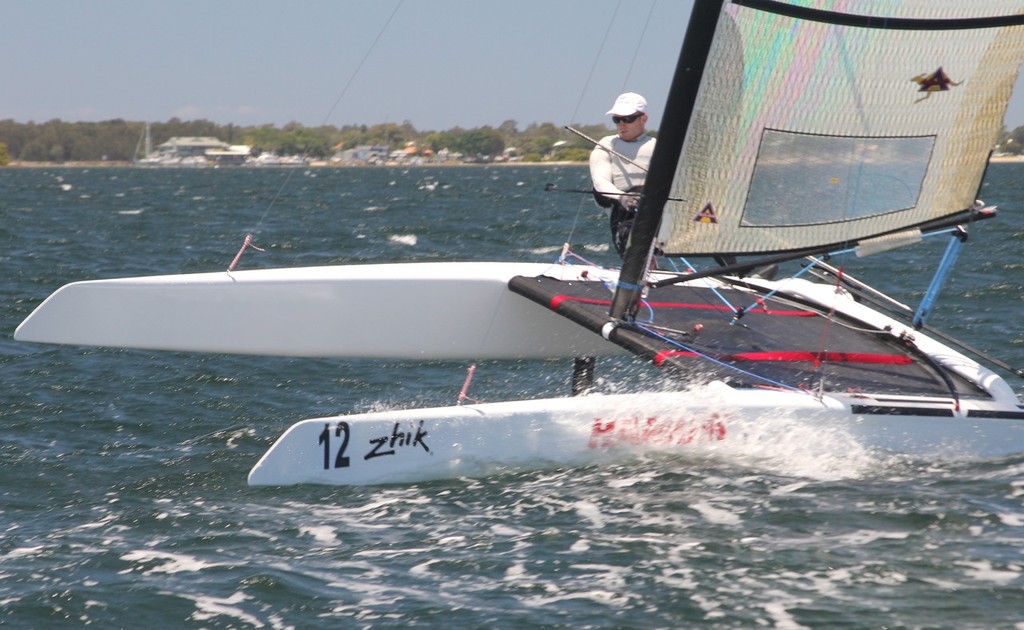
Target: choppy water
124 502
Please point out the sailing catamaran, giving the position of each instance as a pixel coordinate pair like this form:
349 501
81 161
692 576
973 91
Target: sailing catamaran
795 130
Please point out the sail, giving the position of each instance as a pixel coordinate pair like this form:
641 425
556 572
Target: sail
826 121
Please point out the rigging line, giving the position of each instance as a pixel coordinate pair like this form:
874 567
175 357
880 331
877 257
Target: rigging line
636 51
708 357
610 150
362 61
551 187
575 222
782 283
706 283
344 90
934 226
597 57
590 75
827 321
579 101
898 309
291 172
907 340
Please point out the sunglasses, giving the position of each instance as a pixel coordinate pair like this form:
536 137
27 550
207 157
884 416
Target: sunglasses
626 119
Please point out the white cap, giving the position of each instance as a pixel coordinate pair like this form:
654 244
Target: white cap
628 103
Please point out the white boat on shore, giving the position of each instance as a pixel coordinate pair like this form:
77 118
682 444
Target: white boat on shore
794 132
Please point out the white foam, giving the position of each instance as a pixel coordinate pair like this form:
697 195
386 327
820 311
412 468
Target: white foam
780 615
627 482
24 552
607 598
517 572
982 570
590 511
422 568
210 607
1013 520
403 239
803 445
580 546
810 442
868 536
716 515
509 532
170 563
322 534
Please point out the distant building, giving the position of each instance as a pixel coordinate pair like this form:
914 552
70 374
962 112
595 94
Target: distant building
363 154
235 155
186 146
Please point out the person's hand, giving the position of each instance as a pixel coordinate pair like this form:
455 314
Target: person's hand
630 201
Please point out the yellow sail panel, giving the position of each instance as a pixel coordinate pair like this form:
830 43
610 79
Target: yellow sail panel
825 121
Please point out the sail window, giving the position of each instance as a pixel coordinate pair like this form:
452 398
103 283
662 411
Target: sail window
804 179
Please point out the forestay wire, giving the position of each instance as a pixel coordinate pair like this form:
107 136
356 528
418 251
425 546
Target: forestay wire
590 76
579 104
249 238
636 51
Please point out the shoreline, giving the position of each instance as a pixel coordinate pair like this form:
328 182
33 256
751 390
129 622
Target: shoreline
1002 159
316 164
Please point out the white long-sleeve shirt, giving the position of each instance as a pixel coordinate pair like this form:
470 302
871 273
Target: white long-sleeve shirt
613 176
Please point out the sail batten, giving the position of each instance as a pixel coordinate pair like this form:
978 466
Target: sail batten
824 121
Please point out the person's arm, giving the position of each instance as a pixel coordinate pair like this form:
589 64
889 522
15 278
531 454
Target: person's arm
601 174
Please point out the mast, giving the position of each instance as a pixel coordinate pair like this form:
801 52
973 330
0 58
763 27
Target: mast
671 135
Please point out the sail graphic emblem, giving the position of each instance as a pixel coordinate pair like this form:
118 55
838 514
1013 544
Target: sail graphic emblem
937 81
707 215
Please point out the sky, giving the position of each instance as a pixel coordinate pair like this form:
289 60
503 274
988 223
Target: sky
437 64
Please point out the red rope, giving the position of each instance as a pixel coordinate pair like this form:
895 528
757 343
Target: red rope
795 356
246 243
465 385
828 320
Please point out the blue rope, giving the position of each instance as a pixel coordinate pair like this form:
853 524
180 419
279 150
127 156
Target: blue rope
713 289
770 294
675 343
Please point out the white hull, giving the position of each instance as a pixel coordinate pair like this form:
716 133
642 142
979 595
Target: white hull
466 311
396 311
475 440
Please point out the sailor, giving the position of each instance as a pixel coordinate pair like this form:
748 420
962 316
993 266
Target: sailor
618 165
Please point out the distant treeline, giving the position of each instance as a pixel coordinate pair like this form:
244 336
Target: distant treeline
121 140
1011 142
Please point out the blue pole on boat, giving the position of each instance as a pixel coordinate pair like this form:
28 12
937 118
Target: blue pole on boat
956 243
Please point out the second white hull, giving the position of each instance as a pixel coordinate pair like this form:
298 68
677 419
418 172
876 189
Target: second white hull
398 311
475 440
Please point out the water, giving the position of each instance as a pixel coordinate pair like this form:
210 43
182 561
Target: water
124 500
